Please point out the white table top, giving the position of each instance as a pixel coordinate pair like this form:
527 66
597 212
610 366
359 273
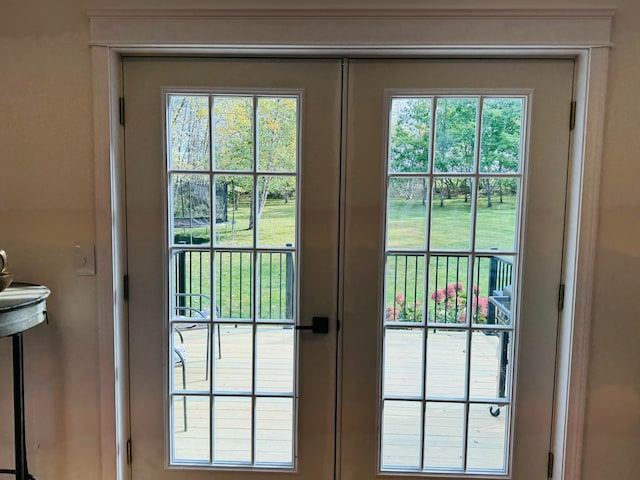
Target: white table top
22 306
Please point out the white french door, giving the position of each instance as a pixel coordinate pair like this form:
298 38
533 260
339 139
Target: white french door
453 181
244 250
455 194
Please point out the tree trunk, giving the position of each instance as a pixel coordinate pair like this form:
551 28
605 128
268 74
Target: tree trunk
252 217
424 192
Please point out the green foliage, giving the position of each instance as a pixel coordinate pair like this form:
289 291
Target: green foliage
410 131
233 132
455 134
189 133
455 138
276 139
501 132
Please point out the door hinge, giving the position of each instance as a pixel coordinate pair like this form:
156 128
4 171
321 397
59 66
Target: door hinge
550 466
561 297
129 452
572 115
125 287
121 108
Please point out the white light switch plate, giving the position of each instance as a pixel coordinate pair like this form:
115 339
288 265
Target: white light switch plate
84 260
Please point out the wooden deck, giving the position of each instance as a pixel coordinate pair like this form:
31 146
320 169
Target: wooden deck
444 421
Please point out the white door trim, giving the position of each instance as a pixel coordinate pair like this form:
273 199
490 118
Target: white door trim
583 35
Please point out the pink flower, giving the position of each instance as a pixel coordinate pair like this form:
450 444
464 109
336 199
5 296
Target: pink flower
438 295
400 299
454 289
481 305
392 314
476 290
462 318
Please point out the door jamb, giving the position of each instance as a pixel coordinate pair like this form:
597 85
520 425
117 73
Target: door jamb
591 59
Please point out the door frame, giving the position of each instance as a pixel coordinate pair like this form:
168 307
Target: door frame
583 35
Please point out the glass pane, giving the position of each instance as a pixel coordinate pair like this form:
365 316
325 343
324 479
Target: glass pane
455 136
190 419
451 214
443 435
490 360
274 365
274 430
487 443
493 290
188 119
234 210
233 132
403 362
497 214
233 365
404 288
409 132
191 285
277 201
277 134
190 209
446 363
407 212
232 429
501 140
401 434
276 286
234 285
190 353
448 288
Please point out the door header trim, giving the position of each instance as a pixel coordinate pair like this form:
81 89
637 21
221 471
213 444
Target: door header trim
344 29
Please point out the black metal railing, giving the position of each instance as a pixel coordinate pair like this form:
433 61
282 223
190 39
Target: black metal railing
447 288
233 283
447 292
500 276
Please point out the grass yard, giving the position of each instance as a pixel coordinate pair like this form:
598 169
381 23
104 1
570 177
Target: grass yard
451 227
451 224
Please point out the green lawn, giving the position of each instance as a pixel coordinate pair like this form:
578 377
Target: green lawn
450 230
233 272
451 225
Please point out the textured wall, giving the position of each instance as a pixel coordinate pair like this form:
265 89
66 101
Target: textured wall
46 206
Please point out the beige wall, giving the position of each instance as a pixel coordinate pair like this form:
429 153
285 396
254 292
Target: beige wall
46 206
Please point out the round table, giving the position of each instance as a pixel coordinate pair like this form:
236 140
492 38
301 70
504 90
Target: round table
22 306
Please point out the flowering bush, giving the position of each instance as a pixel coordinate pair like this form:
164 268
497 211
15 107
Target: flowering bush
403 311
450 304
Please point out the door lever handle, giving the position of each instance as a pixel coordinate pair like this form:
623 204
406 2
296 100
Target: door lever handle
318 325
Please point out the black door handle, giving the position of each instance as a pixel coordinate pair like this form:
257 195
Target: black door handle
318 325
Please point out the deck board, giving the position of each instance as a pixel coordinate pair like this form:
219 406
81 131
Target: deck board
446 363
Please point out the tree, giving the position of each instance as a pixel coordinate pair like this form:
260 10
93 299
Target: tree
189 132
409 142
409 139
274 140
455 141
501 139
455 134
277 132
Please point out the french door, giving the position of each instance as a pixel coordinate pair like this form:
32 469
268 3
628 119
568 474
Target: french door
324 298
